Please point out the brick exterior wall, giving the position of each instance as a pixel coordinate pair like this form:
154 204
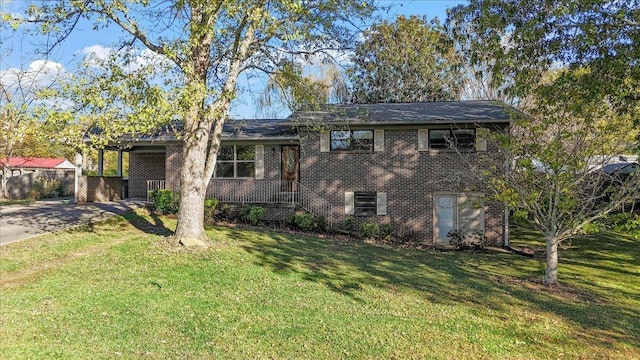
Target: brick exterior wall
409 177
143 167
173 162
99 189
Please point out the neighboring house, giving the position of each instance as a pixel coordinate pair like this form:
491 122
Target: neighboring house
21 165
413 165
19 175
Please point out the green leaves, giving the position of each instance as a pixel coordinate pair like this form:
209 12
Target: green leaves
408 60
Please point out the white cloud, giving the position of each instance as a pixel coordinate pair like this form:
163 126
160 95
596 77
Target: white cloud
38 75
129 59
24 84
98 51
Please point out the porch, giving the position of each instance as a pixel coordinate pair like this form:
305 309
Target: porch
249 191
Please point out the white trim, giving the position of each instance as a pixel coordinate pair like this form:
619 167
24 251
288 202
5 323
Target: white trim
381 203
423 140
259 166
325 141
481 139
349 203
378 140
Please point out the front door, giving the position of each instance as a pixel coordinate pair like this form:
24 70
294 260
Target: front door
290 165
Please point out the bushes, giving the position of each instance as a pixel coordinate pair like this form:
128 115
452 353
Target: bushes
307 222
387 232
369 230
46 188
166 201
210 209
252 214
620 222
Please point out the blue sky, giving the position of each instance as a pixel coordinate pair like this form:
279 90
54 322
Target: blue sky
18 53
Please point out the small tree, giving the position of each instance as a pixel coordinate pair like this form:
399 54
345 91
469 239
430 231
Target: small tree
576 64
21 132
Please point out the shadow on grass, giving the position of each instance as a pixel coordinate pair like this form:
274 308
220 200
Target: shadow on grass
486 281
155 227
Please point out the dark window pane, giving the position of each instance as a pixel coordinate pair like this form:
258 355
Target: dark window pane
340 140
245 152
225 152
438 139
362 140
245 169
465 139
224 169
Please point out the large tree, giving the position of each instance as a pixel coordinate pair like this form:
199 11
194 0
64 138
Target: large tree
204 47
577 63
293 88
408 60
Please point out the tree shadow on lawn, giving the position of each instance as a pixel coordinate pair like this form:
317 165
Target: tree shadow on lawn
483 280
155 227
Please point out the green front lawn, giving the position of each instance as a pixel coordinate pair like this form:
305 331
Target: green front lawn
118 291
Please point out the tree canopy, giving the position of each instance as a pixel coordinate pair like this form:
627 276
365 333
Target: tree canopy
195 52
574 68
408 60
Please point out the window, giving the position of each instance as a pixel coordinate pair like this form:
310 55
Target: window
358 140
236 161
457 138
365 203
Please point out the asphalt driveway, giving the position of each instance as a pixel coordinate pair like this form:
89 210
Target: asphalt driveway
19 222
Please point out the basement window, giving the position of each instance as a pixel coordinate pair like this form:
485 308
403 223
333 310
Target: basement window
365 203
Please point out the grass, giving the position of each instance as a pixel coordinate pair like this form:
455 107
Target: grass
16 202
118 290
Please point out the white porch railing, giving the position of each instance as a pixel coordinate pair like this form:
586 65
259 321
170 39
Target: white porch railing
154 185
262 191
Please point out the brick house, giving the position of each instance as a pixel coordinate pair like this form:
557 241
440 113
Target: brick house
416 166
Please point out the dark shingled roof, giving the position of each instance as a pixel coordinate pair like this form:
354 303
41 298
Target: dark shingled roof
258 129
410 113
444 112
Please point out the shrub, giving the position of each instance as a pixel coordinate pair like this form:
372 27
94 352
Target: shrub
621 222
475 240
45 188
369 230
166 201
291 220
210 209
225 211
387 231
253 214
348 224
322 224
304 221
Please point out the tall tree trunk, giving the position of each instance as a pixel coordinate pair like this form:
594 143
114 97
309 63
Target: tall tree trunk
551 274
193 188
